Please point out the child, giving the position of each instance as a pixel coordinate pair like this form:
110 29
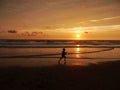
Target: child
63 56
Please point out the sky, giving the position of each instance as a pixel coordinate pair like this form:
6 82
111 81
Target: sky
60 19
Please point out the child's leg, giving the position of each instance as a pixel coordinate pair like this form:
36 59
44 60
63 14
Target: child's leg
59 60
64 58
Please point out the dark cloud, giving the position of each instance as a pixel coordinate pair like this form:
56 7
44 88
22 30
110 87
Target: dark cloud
50 27
32 33
86 32
12 31
36 33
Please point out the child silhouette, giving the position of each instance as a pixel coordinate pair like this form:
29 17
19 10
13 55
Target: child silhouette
63 53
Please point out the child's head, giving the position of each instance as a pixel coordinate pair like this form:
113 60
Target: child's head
63 49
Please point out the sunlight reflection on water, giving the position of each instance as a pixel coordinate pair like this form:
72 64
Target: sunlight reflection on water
50 56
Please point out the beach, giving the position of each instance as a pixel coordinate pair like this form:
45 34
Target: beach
101 76
59 44
38 68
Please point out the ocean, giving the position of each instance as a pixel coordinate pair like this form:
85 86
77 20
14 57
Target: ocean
37 53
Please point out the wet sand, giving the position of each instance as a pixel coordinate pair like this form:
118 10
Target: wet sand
102 76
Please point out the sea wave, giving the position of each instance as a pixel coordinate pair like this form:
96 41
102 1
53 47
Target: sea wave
59 43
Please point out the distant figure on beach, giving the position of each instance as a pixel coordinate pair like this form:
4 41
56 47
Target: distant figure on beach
63 56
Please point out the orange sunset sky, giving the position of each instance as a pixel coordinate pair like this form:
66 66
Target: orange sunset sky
60 19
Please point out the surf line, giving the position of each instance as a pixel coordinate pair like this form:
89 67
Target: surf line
44 55
102 50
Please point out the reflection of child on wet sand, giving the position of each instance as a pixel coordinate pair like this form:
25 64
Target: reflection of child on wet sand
63 56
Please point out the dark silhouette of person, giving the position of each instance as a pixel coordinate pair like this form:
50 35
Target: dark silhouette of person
63 53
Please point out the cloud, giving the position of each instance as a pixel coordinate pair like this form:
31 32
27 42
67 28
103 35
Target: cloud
32 33
105 19
102 28
99 20
86 32
56 12
36 33
12 31
90 28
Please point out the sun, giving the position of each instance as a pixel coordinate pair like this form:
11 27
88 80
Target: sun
77 35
